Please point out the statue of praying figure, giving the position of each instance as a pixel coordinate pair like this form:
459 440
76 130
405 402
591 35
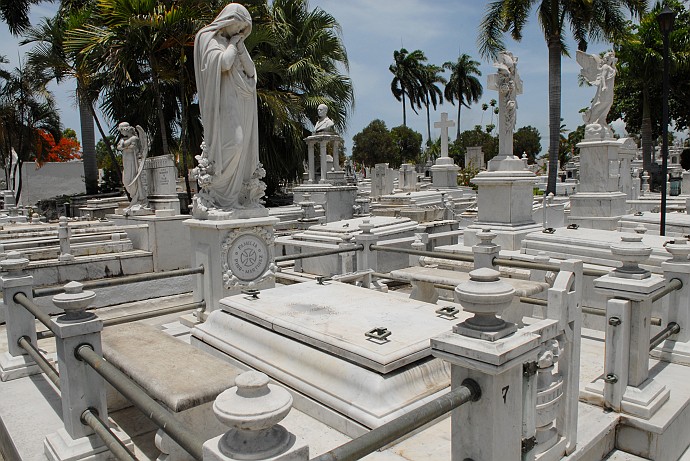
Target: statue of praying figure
134 146
323 124
600 72
226 85
509 86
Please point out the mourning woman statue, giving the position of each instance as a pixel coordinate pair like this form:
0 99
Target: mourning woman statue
134 147
226 84
600 72
323 124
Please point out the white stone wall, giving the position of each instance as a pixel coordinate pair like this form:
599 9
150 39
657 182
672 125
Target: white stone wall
52 179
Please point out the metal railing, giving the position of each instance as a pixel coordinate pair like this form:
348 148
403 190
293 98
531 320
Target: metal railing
116 447
117 281
391 431
314 254
671 329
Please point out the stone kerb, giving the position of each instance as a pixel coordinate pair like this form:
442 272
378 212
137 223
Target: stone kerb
81 387
15 363
626 385
253 408
676 349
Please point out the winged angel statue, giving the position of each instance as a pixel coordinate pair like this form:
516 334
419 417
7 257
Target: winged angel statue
600 72
134 146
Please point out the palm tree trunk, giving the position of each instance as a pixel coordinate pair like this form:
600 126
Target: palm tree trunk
646 133
159 104
428 119
457 132
88 146
554 111
404 115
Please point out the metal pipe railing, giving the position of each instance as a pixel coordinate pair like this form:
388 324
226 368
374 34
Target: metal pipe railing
671 329
391 431
113 282
535 301
139 316
314 254
433 254
654 321
671 286
163 418
90 418
29 305
40 360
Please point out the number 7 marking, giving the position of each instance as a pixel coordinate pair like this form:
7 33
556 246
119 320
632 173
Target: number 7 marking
505 393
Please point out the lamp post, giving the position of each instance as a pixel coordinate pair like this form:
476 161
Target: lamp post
665 20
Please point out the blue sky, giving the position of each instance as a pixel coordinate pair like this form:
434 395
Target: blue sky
442 29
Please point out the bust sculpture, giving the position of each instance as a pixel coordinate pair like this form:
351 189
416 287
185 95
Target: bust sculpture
226 85
323 124
600 72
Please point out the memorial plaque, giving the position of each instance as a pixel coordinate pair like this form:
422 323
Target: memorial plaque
247 257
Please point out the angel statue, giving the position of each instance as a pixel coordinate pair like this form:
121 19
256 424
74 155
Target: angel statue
134 146
600 72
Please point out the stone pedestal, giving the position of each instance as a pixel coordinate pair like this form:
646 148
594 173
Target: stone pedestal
445 173
237 255
504 202
599 202
160 175
626 385
323 140
474 158
337 201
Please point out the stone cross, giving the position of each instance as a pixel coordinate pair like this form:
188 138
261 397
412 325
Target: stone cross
444 124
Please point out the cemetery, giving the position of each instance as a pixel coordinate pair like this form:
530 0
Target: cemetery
389 312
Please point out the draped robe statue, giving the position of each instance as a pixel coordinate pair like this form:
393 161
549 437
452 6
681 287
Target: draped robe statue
599 72
226 84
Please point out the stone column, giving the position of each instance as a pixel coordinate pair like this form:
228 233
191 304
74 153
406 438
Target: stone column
478 349
485 251
347 263
323 146
81 387
64 234
629 289
645 182
336 154
366 259
676 349
253 408
310 155
15 363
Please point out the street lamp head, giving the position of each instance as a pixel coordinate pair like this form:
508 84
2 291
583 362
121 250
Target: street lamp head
666 19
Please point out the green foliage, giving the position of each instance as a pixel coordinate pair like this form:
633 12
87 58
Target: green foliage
408 144
111 177
374 144
527 140
466 175
471 138
408 75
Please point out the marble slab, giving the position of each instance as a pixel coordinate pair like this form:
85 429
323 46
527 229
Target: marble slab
334 317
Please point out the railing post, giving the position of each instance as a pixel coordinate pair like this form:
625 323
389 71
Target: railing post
366 259
486 250
64 234
19 322
677 348
81 387
491 352
629 288
346 259
253 408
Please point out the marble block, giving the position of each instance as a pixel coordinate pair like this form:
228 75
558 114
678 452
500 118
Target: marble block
313 339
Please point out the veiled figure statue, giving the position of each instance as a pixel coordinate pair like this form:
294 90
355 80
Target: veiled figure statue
600 72
134 146
226 84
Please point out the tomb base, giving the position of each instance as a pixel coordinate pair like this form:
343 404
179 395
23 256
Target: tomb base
597 210
338 201
673 352
316 340
643 401
508 237
445 173
237 255
15 367
59 446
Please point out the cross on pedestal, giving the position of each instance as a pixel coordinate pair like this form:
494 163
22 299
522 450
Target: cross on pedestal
444 124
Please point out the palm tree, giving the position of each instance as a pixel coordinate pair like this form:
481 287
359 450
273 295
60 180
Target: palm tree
485 106
407 75
15 13
431 94
299 55
591 20
463 85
